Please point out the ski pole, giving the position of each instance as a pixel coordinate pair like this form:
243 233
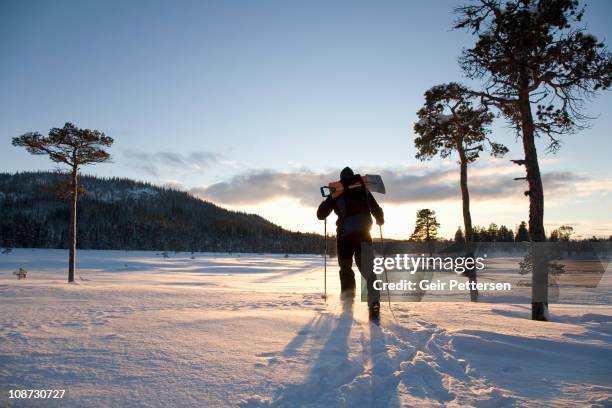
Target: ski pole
325 261
382 243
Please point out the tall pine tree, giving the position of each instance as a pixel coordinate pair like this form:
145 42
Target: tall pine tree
76 148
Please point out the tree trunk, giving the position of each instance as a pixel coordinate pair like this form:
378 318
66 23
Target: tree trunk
73 229
539 294
467 220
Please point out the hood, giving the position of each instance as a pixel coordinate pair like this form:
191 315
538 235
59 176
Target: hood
346 173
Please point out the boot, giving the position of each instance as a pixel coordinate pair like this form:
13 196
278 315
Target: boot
348 294
375 312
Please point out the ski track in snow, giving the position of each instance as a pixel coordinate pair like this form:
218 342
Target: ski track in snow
252 331
361 364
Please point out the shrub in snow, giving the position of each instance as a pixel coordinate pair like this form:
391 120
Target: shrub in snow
21 273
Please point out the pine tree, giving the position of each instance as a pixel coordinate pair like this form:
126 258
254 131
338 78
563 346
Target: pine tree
522 234
459 238
565 232
74 147
505 235
533 54
554 236
451 120
426 228
493 232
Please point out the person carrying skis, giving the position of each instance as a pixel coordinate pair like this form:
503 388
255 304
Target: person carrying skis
353 208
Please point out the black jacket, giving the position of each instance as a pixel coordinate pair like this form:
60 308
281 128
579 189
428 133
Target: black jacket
353 209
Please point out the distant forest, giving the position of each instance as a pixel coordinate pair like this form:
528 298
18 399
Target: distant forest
118 213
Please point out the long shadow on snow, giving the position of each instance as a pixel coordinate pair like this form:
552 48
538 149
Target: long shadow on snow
330 371
334 379
384 381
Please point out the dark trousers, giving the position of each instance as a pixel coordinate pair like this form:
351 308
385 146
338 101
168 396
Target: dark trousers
359 245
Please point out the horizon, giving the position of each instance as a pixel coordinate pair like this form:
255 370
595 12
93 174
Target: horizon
451 237
248 106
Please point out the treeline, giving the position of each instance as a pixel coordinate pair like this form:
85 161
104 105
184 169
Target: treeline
117 213
493 233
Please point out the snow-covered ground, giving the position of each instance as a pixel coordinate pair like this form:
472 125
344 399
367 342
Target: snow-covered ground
228 330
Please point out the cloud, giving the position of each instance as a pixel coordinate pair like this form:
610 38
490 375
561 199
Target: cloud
404 185
173 184
152 163
265 185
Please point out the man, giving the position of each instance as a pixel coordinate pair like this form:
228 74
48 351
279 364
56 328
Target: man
353 208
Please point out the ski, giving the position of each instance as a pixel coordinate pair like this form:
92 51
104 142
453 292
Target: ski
373 183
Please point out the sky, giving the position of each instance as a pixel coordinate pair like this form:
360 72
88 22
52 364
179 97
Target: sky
255 104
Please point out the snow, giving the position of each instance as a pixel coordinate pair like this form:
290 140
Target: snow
252 330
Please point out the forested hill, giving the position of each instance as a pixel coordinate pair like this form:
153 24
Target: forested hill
118 213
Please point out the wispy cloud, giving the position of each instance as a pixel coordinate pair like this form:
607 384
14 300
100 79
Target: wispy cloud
405 185
153 163
265 185
173 184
